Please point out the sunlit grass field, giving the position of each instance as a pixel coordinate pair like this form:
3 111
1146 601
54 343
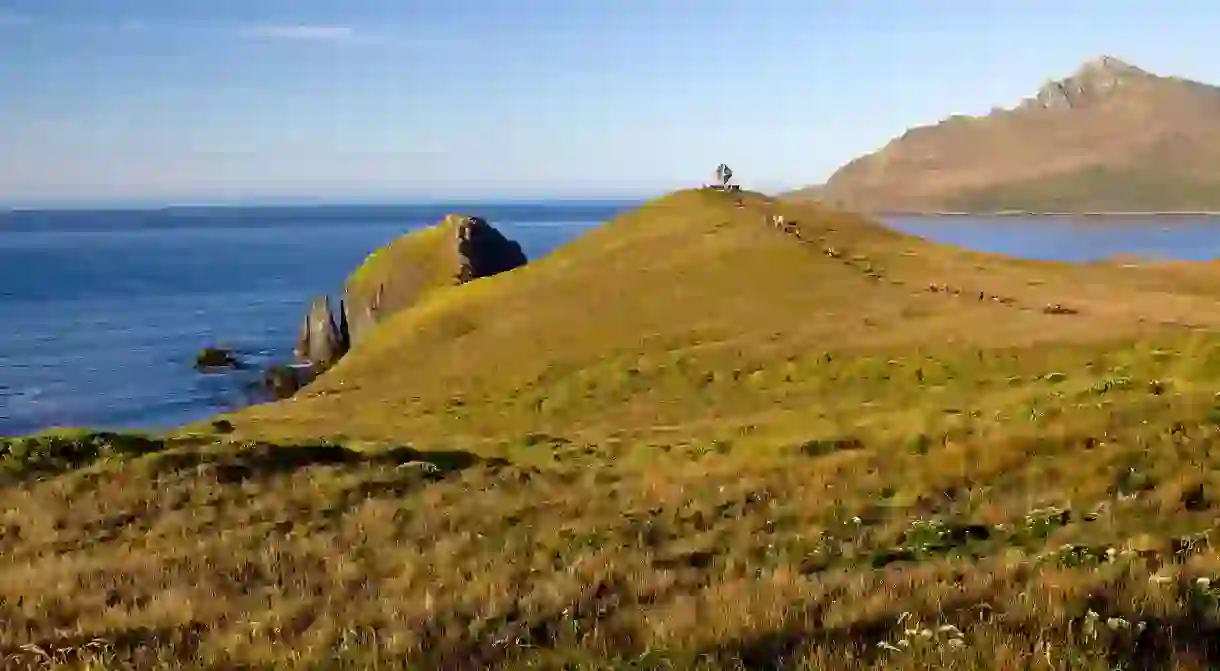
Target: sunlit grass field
690 439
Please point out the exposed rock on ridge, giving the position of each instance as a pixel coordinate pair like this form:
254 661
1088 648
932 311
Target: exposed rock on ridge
322 340
460 249
1094 80
483 251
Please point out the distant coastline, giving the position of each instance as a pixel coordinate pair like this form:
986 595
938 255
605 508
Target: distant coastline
187 208
1014 213
797 196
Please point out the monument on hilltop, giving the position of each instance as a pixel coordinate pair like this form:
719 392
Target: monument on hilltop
724 177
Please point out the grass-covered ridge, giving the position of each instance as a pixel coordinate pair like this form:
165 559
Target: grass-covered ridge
665 313
418 262
687 440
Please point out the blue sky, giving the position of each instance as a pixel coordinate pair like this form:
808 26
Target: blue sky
157 101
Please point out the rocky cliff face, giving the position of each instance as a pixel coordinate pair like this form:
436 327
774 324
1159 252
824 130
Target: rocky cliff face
483 251
1108 137
322 340
460 249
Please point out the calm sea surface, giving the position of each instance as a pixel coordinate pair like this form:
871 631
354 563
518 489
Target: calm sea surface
101 313
1080 239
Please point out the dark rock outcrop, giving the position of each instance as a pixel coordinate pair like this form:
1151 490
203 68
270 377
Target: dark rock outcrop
280 382
475 250
322 341
484 251
217 358
345 337
458 250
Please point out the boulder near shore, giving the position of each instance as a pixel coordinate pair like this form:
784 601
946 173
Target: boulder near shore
217 358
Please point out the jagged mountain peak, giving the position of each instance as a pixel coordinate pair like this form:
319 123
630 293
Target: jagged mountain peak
1096 78
1107 64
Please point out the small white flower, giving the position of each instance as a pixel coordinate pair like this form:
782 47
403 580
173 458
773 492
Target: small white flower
1141 626
1111 553
856 520
1203 582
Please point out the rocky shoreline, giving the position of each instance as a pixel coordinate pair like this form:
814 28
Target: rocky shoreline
457 250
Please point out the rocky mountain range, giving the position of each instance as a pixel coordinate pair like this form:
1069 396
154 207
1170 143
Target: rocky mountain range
1110 137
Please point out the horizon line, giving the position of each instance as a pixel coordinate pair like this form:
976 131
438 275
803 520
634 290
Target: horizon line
150 204
440 202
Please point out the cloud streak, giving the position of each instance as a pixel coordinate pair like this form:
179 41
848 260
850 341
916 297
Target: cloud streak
303 32
268 32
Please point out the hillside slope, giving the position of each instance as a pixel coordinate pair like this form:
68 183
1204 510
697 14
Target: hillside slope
1111 137
639 323
689 440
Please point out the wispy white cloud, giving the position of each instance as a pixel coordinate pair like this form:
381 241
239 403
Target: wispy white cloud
318 33
304 32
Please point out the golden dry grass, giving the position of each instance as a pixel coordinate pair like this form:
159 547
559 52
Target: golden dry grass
618 330
688 440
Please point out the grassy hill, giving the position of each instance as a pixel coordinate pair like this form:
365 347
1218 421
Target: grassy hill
616 330
406 271
1109 137
423 253
689 439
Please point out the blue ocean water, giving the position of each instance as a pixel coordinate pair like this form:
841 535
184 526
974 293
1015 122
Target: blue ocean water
102 312
1074 238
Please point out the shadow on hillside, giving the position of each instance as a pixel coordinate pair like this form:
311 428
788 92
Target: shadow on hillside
1164 643
1166 640
782 650
23 459
1159 645
28 457
265 460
